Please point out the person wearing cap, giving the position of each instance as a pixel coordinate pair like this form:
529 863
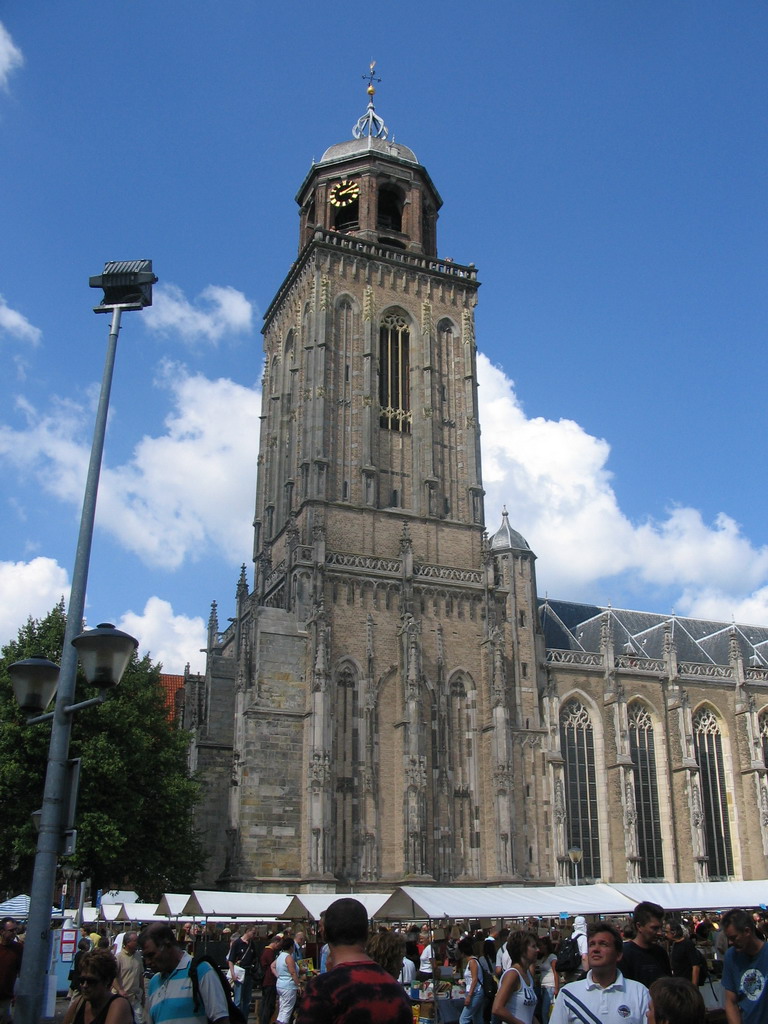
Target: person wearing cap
580 934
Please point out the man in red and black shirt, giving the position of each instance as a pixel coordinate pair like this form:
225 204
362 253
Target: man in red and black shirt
269 981
354 988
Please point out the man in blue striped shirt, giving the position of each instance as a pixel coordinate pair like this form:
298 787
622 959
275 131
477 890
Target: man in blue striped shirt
170 999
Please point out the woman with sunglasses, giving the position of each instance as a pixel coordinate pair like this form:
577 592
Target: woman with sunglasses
97 1003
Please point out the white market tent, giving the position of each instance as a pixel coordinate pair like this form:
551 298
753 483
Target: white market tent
145 912
414 903
434 903
172 904
419 903
317 902
255 906
698 895
109 911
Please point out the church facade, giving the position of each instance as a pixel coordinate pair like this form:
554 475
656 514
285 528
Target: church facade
391 703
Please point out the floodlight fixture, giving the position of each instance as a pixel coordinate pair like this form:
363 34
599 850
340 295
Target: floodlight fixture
127 284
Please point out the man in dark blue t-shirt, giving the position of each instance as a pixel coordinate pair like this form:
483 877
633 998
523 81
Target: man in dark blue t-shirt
745 971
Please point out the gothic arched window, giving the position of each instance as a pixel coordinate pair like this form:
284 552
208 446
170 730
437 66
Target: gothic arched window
643 753
708 742
394 374
577 743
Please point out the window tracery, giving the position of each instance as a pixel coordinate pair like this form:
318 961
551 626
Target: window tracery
708 744
646 793
394 374
577 743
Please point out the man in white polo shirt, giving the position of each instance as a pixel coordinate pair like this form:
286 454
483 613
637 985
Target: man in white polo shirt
605 994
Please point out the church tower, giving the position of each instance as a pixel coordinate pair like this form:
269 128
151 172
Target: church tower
382 671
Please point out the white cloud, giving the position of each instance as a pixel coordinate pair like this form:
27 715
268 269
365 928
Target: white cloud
711 603
29 588
181 494
16 324
11 56
218 310
172 640
553 477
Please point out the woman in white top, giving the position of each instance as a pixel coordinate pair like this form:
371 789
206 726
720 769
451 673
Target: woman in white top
284 969
473 980
426 963
515 1002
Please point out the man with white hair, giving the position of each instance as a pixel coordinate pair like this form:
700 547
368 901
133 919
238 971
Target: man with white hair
130 975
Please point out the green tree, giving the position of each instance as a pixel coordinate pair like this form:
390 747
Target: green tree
135 815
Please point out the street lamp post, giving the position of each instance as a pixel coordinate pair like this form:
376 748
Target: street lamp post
127 286
575 853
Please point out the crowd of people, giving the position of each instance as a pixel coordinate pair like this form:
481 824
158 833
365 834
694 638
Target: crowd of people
651 968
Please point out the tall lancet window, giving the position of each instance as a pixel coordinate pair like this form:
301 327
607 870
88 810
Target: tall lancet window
577 743
708 741
643 753
763 722
394 374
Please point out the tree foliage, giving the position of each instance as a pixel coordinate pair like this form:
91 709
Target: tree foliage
135 815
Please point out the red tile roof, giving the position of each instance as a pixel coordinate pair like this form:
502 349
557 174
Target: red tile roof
171 685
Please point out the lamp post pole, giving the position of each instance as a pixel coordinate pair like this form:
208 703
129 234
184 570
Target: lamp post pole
34 968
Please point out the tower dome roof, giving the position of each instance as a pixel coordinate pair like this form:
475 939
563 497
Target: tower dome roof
506 539
370 134
368 144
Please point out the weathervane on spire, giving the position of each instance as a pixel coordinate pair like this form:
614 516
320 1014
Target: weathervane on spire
370 123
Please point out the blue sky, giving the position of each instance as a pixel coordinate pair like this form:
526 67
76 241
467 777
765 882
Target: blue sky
603 164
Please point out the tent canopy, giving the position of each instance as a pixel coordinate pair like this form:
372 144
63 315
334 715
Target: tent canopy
420 903
145 912
18 906
171 904
698 895
317 902
414 903
251 905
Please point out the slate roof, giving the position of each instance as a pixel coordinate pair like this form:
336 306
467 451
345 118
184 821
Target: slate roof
576 627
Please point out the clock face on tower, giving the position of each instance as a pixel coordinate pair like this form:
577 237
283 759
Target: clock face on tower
343 193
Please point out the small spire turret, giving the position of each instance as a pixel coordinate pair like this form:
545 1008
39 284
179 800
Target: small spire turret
370 123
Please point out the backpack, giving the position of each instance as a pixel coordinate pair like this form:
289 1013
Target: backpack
257 972
488 981
568 956
235 1015
701 960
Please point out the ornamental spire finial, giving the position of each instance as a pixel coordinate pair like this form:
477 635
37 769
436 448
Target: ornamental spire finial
370 123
